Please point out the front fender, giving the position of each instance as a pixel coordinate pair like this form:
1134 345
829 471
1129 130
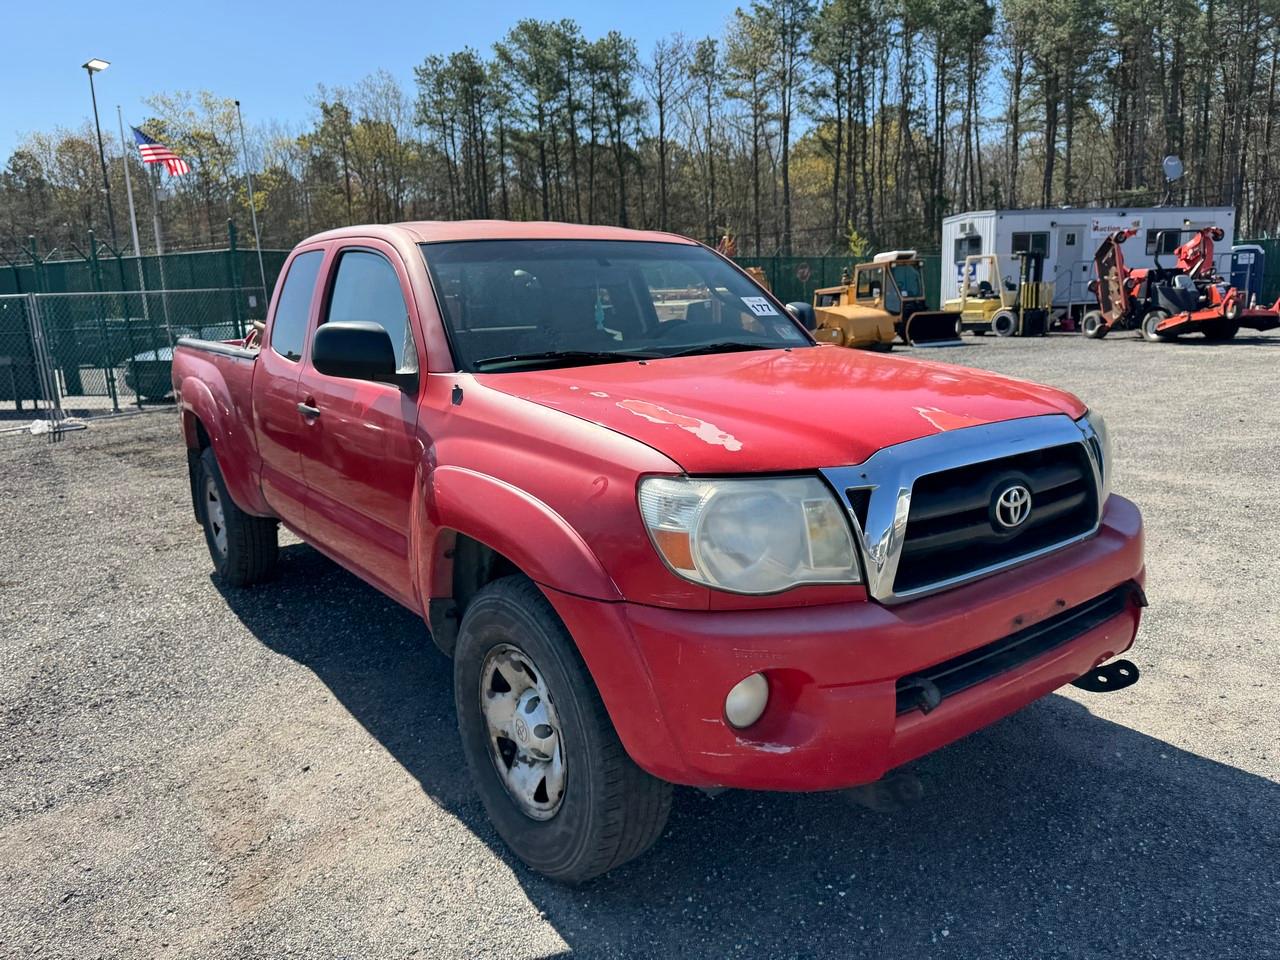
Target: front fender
525 530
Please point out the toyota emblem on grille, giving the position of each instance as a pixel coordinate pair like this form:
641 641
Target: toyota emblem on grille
1011 506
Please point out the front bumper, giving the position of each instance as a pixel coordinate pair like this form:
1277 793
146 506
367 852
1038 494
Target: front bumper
832 719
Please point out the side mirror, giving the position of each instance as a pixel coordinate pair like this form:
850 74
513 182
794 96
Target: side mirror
356 350
804 313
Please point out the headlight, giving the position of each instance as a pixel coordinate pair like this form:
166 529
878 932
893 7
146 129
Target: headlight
750 535
1099 440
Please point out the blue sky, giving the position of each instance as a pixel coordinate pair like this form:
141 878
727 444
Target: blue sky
269 54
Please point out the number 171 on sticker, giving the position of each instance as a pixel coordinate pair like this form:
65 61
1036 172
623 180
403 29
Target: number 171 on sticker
760 306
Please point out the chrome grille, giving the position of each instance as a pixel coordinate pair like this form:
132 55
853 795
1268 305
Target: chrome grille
950 529
938 543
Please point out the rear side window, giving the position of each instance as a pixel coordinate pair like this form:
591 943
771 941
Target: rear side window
289 329
367 288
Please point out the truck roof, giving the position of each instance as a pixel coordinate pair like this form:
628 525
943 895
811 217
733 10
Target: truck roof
439 231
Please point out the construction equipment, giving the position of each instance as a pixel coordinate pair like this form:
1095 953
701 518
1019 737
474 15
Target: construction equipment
883 299
1163 302
991 301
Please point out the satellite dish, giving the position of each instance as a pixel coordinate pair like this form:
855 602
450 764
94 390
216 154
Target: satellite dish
1172 168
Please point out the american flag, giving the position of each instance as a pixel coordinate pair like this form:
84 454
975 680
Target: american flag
155 152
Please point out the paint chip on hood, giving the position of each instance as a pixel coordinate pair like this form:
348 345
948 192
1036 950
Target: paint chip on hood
704 431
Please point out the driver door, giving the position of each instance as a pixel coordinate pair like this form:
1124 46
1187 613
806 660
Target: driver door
361 451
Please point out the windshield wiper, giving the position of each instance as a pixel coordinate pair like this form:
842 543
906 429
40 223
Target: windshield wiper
580 356
724 346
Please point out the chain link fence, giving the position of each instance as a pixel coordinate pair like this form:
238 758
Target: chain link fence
88 354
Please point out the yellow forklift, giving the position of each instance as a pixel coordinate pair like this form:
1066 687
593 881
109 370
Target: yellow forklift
882 300
992 301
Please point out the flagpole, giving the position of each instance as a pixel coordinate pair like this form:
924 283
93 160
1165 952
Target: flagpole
128 186
253 210
155 225
133 216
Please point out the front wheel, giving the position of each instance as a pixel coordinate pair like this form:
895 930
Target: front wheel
1149 323
1004 324
546 761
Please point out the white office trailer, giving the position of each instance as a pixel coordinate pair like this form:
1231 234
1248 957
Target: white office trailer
1068 237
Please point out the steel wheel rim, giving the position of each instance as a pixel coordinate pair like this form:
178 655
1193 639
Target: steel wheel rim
522 730
215 516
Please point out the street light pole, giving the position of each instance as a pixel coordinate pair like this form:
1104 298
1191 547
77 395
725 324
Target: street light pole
91 67
253 210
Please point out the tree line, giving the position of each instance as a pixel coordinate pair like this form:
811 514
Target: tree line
840 125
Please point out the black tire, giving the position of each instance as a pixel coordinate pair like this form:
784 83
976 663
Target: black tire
1092 325
1150 321
1219 330
1004 324
245 551
611 811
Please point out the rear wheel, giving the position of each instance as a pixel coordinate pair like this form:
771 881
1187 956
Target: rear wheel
1149 323
1092 325
546 761
1004 324
243 548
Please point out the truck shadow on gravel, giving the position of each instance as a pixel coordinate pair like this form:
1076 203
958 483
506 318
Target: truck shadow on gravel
1052 833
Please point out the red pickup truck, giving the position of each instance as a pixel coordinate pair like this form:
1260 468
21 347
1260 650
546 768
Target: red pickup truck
665 536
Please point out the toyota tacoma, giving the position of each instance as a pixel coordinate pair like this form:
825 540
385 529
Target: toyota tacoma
665 536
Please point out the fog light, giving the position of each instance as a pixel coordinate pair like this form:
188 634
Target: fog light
746 701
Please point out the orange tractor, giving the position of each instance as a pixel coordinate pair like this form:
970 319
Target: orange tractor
1164 302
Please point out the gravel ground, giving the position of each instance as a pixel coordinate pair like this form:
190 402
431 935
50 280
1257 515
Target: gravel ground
191 771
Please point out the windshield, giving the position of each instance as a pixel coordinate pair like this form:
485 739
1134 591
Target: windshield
909 279
520 304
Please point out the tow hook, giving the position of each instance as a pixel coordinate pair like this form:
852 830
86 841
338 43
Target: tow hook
1115 675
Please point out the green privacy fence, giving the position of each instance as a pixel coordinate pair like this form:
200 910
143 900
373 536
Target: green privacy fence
795 278
100 268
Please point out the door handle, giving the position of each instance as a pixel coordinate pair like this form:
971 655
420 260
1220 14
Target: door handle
308 411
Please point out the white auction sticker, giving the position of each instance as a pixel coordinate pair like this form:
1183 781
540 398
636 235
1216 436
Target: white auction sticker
760 306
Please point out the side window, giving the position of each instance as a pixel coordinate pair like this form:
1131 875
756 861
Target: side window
969 246
289 328
1031 243
1166 243
367 288
870 283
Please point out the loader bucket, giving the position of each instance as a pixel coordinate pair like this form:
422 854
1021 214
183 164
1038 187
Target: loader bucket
932 328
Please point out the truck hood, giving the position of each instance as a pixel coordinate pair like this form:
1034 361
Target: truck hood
778 410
